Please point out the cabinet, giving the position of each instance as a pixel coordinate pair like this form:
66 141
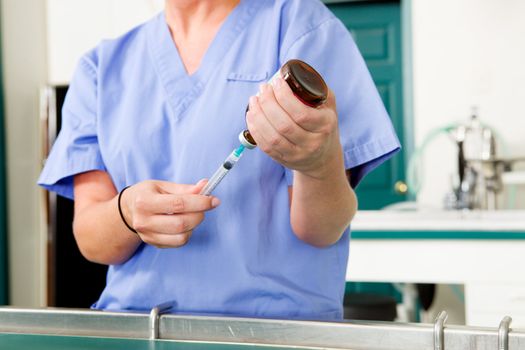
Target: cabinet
484 251
485 303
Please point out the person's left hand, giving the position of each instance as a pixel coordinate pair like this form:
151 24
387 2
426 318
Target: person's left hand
299 137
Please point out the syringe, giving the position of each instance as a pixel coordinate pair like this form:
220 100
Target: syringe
228 164
225 167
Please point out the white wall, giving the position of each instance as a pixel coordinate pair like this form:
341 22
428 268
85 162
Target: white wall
24 71
88 22
465 53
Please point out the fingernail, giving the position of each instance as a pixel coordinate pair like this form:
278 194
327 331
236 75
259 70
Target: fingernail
200 182
278 82
215 202
262 87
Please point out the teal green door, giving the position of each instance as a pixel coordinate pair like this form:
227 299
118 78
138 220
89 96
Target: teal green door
376 28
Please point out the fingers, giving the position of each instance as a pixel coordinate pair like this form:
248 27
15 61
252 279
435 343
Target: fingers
176 188
166 241
164 214
280 120
167 231
308 118
199 186
168 224
267 138
175 203
292 133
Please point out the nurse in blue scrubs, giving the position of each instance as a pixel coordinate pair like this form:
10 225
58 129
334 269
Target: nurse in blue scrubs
156 110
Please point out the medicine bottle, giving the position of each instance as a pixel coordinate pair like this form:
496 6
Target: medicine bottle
306 83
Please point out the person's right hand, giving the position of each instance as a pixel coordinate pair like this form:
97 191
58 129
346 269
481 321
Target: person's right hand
163 213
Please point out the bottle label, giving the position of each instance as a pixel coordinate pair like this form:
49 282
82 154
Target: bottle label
272 79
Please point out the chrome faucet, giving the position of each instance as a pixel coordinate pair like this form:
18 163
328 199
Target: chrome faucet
478 180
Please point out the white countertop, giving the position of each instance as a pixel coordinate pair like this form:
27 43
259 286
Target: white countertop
439 220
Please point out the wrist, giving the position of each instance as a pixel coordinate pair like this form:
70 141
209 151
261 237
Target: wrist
123 208
329 167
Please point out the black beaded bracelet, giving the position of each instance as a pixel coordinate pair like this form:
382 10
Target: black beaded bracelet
120 211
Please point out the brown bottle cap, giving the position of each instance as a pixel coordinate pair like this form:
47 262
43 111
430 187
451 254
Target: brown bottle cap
306 83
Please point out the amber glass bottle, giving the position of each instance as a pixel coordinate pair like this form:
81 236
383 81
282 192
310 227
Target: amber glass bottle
306 83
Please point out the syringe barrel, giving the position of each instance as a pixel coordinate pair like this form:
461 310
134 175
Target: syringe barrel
221 172
214 180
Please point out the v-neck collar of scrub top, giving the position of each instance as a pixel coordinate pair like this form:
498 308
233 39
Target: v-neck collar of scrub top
182 89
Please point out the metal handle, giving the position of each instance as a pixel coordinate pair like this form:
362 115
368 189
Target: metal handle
439 331
154 316
503 333
401 187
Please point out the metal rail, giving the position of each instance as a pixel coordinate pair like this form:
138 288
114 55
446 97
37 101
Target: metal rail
327 335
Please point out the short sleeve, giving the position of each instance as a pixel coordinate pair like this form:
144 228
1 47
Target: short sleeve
366 131
76 148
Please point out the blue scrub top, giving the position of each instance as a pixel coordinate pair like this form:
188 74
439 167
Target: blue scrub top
133 111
